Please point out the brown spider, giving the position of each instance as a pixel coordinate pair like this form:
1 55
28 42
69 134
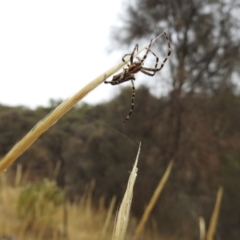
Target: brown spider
137 66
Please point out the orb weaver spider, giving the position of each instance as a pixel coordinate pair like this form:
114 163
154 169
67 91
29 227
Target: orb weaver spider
128 74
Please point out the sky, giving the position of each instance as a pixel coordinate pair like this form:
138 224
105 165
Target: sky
51 49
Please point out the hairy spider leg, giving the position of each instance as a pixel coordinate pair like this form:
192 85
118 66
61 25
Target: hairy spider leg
148 50
143 70
131 55
132 104
156 64
169 45
148 73
168 54
123 59
139 59
154 70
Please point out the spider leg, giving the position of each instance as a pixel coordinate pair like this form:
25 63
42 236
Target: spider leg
123 59
168 54
130 54
155 69
139 59
104 78
148 49
169 46
133 53
132 105
148 73
156 64
108 82
146 70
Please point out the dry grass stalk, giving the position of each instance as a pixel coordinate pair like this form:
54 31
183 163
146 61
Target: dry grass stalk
108 218
153 201
18 175
123 213
89 197
202 228
215 214
43 125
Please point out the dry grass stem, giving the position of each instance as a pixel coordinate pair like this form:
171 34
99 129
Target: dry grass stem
108 218
153 201
43 125
202 228
215 214
18 175
123 213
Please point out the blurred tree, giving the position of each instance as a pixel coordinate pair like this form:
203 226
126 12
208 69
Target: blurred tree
205 46
10 131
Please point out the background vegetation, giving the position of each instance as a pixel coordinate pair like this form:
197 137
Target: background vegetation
196 123
79 149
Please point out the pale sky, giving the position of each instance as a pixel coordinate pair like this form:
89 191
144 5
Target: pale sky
50 49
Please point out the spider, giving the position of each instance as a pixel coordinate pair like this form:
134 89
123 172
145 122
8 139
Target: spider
137 66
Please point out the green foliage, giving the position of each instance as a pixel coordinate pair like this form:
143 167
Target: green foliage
37 202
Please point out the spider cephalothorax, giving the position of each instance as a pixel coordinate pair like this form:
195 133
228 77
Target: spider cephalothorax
128 74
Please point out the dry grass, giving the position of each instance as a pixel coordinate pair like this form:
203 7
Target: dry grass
215 214
84 221
124 210
153 201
